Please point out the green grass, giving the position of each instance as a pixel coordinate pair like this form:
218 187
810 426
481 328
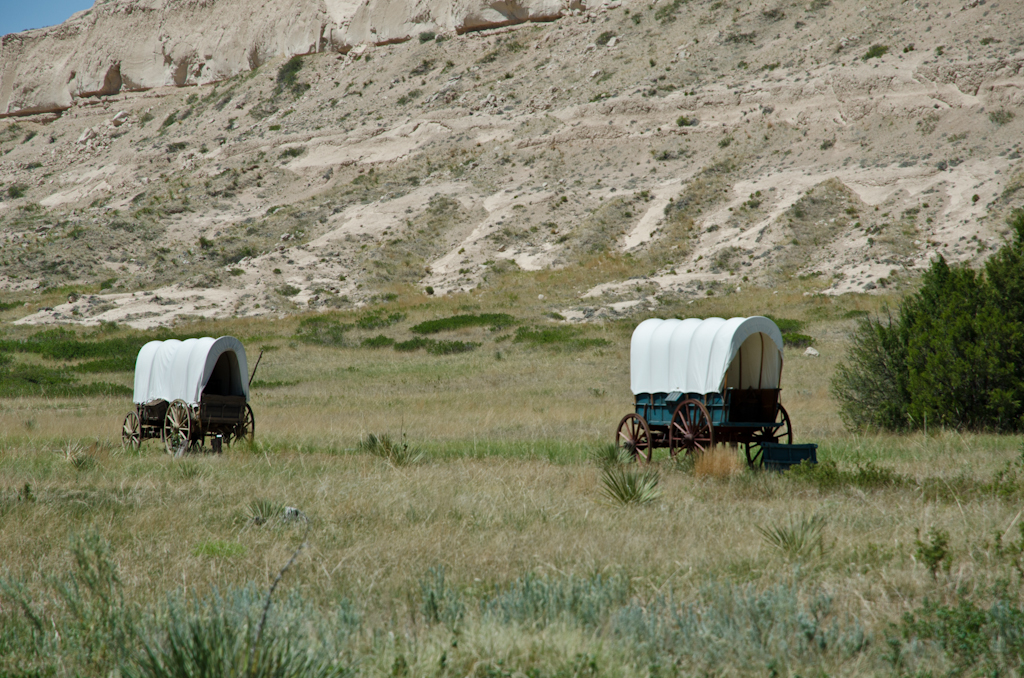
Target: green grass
380 341
219 549
561 338
495 321
19 379
379 319
413 344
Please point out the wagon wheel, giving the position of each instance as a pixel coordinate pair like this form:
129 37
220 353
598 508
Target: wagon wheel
131 431
245 430
634 436
690 429
781 430
179 429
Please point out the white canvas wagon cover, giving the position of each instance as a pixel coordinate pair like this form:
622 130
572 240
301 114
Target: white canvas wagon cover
705 356
172 370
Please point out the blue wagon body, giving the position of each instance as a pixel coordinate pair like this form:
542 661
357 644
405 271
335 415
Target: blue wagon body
708 355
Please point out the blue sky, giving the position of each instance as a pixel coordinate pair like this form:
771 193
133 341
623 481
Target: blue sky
19 15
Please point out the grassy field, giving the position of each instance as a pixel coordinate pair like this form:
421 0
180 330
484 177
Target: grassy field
488 548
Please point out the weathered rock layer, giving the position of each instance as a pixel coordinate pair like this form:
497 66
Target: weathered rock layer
140 44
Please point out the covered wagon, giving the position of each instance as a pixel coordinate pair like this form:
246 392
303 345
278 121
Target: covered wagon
186 391
698 382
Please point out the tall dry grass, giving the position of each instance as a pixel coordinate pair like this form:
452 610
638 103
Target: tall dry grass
720 462
506 498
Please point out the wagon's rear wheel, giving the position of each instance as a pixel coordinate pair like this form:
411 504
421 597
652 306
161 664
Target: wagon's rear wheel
690 429
780 432
131 431
246 430
634 437
179 429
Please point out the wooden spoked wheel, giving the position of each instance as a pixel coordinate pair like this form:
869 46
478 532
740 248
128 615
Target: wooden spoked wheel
131 432
178 428
780 432
246 430
634 437
690 429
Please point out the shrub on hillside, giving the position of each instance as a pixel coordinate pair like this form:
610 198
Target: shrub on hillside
952 354
323 330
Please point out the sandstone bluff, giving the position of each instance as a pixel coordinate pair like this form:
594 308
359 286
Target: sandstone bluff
184 159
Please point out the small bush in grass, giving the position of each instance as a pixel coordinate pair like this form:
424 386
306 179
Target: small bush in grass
973 639
1001 117
828 476
564 337
718 462
629 486
380 341
293 152
217 635
875 52
414 344
687 121
15 191
495 321
80 618
799 538
450 347
376 320
441 603
394 453
323 330
287 290
795 340
933 552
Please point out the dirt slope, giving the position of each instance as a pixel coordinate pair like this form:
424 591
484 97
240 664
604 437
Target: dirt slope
718 144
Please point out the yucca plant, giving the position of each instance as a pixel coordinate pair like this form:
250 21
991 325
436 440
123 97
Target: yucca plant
394 453
799 539
629 486
610 454
76 455
189 470
262 511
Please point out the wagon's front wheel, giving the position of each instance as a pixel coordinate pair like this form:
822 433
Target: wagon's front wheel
690 429
779 432
178 428
634 437
131 432
247 429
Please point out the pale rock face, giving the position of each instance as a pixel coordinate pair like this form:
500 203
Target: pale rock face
139 44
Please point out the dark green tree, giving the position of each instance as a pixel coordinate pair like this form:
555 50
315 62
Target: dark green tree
872 386
953 355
